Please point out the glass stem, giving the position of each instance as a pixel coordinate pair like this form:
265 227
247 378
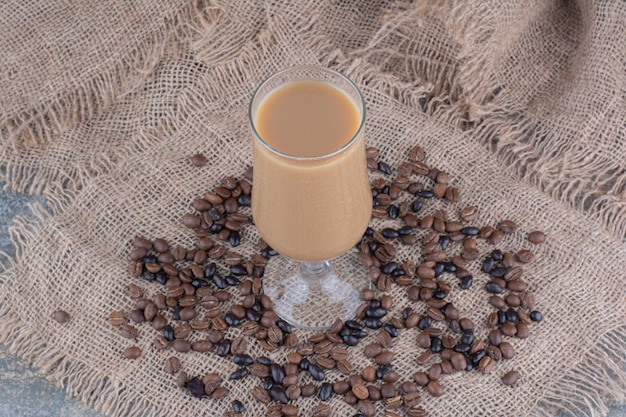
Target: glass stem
314 271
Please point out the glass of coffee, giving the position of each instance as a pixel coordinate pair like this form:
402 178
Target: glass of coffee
311 198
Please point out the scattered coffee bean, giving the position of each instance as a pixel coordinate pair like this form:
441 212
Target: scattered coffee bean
61 316
199 160
510 378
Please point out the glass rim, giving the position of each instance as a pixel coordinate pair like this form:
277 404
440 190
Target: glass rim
343 147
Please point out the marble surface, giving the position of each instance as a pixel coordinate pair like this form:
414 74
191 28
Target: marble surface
24 392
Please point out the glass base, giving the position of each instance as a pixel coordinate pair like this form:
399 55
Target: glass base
312 295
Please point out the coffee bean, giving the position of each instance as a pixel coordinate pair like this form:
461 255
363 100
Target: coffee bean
458 361
239 373
181 345
537 237
61 316
321 410
508 352
384 168
325 391
199 160
525 256
536 316
510 378
277 393
466 282
308 390
260 394
132 352
434 388
493 288
366 407
238 406
316 372
172 365
201 345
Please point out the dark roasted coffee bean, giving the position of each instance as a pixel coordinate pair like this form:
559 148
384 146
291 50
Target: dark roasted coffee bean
238 407
393 332
425 194
372 323
239 373
470 231
435 345
168 333
493 288
376 313
219 281
244 200
243 359
238 270
231 320
268 383
466 282
359 334
498 272
511 315
277 372
488 264
277 393
316 372
383 370
467 337
351 324
390 233
424 323
234 238
501 317
223 348
283 326
325 391
536 316
384 168
393 212
462 348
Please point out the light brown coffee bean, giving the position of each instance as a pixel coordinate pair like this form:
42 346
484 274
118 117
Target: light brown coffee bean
435 389
497 301
259 393
525 256
417 154
181 345
507 226
321 410
128 331
202 345
341 387
219 392
116 318
522 331
458 361
508 352
384 358
308 390
172 365
536 237
517 285
372 350
199 160
497 236
510 378
434 372
366 407
61 316
423 358
420 378
132 352
360 391
181 379
486 365
259 370
527 300
326 362
293 392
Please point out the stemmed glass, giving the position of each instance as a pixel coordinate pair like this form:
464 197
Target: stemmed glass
312 209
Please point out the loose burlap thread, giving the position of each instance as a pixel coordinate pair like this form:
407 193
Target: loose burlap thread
522 104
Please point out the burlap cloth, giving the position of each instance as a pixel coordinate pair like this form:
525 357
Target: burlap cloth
523 103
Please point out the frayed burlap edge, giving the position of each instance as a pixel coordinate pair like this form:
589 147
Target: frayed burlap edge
39 125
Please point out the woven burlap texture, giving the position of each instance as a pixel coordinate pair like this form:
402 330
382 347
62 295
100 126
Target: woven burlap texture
522 103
